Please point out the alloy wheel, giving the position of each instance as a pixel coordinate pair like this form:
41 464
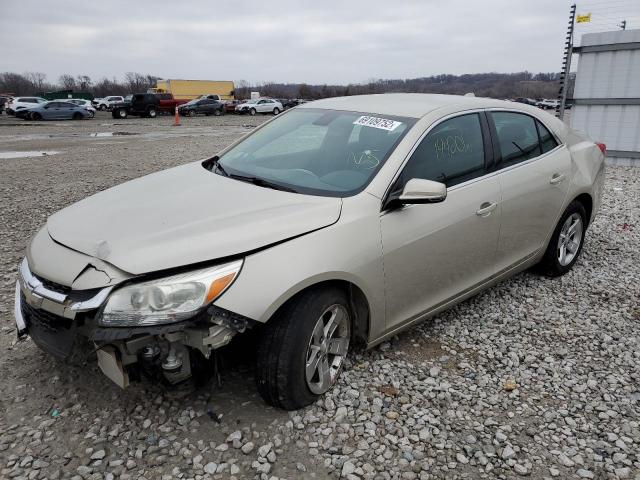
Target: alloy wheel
327 349
570 239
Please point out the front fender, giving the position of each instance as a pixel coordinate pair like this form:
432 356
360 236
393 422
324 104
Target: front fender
349 250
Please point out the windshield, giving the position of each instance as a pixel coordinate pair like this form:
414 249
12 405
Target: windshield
317 151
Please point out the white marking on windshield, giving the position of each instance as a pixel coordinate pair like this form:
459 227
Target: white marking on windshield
375 122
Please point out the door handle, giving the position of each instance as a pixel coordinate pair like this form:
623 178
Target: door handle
556 179
486 208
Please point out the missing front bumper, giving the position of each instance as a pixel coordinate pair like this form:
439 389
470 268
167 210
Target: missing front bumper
168 349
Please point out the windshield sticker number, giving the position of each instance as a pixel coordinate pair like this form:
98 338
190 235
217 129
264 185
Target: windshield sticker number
375 122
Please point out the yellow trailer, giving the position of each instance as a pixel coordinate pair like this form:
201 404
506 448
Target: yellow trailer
190 89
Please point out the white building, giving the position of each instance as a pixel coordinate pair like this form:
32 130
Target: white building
607 93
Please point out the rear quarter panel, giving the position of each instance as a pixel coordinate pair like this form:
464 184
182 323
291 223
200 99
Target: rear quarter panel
588 168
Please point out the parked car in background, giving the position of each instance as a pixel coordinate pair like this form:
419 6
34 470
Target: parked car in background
230 105
4 101
203 106
146 105
212 96
547 104
140 105
57 110
260 105
107 102
20 103
385 210
526 101
167 103
84 103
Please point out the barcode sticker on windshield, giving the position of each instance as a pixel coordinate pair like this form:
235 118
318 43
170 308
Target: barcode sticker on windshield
375 122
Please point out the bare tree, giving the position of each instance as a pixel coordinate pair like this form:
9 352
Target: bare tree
84 82
38 80
67 82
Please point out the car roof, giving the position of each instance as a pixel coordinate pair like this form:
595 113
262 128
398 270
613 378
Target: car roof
414 105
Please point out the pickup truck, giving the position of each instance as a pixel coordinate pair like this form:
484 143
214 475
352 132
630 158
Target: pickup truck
146 105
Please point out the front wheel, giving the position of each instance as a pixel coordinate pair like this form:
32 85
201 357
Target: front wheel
120 113
252 112
303 349
566 242
36 116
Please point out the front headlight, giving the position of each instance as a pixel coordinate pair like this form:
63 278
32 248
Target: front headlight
169 299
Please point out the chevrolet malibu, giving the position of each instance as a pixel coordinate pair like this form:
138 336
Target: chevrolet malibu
338 223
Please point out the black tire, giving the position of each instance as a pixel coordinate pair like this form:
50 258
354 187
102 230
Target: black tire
152 112
103 107
252 112
281 357
217 112
192 113
35 116
550 264
276 111
120 113
77 116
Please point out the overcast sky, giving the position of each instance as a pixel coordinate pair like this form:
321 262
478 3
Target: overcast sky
325 41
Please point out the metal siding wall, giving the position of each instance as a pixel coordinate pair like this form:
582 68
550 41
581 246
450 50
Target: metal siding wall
609 74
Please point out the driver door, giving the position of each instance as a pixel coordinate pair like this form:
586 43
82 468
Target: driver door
51 111
434 253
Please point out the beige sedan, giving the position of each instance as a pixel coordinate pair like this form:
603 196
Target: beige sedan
340 222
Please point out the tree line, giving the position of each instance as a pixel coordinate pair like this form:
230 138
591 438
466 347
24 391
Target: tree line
496 85
32 83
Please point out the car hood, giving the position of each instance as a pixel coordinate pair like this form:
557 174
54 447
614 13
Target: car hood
183 216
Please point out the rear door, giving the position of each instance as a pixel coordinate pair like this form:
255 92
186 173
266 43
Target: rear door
67 109
436 252
533 168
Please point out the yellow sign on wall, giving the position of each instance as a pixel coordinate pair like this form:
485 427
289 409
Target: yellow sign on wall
584 18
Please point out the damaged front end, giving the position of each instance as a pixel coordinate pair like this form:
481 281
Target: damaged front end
158 327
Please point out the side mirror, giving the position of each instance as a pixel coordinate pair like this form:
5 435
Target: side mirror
418 190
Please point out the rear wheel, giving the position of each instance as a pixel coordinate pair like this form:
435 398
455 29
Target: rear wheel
78 116
303 349
566 242
276 111
152 112
217 112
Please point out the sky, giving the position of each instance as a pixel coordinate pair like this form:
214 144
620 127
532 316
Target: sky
329 41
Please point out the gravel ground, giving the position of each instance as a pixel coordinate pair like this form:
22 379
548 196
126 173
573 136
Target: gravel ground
535 377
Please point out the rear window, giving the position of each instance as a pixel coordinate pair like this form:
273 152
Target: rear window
547 141
517 137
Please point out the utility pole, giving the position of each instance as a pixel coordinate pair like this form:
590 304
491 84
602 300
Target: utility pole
566 63
623 25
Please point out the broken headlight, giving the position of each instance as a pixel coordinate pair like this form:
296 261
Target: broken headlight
169 299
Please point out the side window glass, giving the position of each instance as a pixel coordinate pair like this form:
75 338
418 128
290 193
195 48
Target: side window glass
452 153
517 136
547 141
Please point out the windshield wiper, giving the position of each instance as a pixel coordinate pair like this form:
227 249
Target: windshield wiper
217 166
261 182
